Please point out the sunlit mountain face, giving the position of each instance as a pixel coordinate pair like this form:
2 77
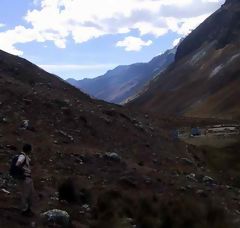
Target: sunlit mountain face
204 80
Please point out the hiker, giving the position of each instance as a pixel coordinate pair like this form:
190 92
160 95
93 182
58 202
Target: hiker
25 182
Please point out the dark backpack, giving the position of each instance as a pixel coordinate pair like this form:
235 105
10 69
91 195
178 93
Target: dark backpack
17 172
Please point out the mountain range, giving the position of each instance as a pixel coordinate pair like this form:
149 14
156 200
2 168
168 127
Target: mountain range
94 157
111 166
204 80
123 82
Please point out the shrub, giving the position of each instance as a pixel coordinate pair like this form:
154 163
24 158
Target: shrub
67 191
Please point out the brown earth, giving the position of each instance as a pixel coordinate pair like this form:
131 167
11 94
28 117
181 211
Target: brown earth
158 182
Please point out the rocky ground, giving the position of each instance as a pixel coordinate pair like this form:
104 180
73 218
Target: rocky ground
105 165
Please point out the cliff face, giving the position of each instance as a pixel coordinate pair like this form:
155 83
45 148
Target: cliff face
204 81
222 27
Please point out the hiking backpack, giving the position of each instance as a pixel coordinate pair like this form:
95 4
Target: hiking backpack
17 172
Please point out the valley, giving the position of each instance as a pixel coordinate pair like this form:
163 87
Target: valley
162 150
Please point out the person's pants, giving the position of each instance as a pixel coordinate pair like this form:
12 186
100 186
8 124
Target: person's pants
27 191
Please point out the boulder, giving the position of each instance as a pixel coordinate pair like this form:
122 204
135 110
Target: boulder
56 217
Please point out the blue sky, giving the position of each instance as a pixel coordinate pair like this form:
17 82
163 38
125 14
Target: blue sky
78 39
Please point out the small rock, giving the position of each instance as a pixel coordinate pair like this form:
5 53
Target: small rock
237 212
127 222
152 128
25 124
11 147
4 120
65 109
128 181
55 197
27 101
192 177
208 179
183 189
201 193
139 126
189 187
112 156
86 207
229 187
147 180
5 191
79 160
67 101
187 161
66 135
33 224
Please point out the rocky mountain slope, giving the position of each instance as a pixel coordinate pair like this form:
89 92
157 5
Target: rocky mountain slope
204 80
119 84
103 164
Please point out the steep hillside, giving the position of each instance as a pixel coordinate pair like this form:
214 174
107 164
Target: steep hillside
204 81
106 166
119 84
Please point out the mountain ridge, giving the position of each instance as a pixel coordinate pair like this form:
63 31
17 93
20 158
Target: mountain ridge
104 164
204 77
124 81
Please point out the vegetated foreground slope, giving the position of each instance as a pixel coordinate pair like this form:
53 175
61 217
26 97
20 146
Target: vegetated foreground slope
123 82
125 168
204 81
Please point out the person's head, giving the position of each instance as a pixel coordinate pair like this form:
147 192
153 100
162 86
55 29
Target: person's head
27 148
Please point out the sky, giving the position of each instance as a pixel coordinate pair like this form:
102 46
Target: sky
85 38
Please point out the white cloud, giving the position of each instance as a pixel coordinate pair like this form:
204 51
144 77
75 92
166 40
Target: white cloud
133 43
83 34
176 42
19 35
149 28
59 20
2 25
189 24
